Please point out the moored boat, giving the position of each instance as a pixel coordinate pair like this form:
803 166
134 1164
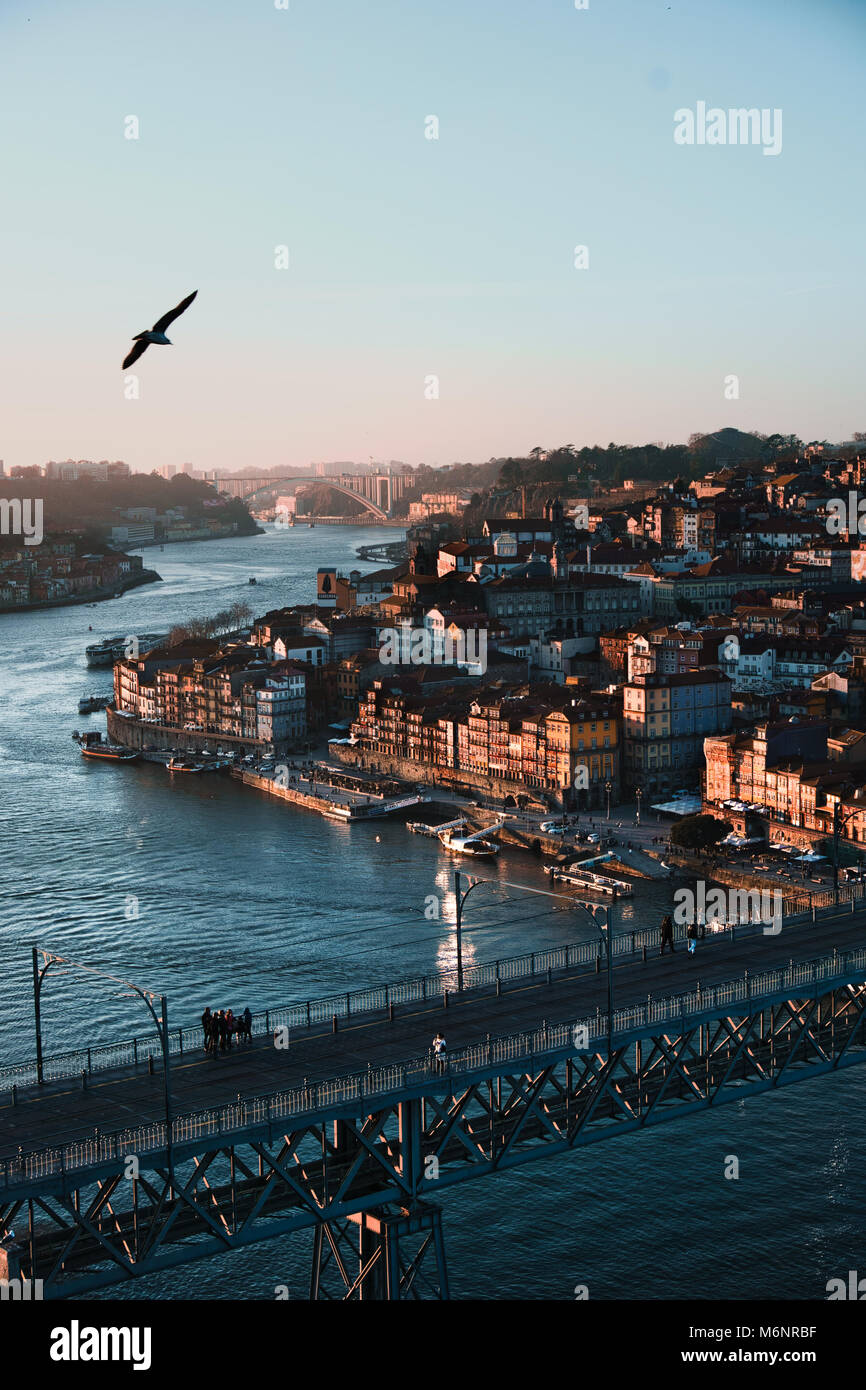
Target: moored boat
102 653
474 845
94 746
90 704
112 649
184 765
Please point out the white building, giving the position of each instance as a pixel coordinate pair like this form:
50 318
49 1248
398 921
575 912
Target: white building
281 706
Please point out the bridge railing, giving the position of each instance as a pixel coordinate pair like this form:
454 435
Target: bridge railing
374 999
576 1035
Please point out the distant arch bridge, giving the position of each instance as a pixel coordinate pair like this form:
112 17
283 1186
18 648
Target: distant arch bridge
375 492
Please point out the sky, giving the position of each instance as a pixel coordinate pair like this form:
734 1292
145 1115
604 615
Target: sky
431 310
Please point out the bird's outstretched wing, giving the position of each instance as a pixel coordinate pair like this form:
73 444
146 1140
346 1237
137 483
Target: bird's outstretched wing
162 324
134 353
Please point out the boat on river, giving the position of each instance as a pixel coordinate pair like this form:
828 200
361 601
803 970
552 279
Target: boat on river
475 845
184 765
91 704
94 746
105 653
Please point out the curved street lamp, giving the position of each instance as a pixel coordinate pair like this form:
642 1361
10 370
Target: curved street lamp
148 997
604 931
839 823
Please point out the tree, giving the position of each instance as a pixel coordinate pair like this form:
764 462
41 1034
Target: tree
510 474
688 609
699 832
239 614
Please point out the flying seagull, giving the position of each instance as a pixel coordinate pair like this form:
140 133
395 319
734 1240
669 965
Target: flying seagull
157 334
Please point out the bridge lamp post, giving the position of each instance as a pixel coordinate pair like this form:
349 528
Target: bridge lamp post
148 997
460 898
638 791
608 789
604 931
839 823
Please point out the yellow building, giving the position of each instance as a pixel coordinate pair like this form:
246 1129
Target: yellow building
583 752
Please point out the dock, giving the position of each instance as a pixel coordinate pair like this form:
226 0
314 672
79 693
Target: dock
418 828
579 875
594 883
335 803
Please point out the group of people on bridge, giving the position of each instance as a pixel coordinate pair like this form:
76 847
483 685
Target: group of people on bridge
221 1025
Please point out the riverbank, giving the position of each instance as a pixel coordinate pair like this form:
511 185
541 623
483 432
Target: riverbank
458 780
203 533
128 732
94 596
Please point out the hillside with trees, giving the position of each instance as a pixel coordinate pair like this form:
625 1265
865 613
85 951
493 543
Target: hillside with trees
92 506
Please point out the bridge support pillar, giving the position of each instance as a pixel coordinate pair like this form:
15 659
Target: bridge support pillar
395 1253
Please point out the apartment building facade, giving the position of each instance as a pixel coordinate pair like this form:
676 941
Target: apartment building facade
665 721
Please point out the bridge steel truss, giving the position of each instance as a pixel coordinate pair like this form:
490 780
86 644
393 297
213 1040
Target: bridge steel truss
363 1175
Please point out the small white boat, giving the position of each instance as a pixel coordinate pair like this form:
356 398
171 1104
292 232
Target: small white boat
475 845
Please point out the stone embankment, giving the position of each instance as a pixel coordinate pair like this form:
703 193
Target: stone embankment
134 733
453 779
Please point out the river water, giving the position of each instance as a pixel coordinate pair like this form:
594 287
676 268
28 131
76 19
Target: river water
241 900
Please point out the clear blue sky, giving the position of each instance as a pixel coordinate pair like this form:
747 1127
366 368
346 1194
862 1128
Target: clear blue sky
411 257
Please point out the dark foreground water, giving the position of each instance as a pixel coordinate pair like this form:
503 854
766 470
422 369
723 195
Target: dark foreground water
243 901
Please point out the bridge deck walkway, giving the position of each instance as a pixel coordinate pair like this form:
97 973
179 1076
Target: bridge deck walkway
62 1111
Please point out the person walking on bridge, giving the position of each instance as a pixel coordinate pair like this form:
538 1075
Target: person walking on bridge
440 1052
667 933
206 1026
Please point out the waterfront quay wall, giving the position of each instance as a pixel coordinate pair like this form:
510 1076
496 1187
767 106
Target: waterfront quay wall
456 779
132 733
293 794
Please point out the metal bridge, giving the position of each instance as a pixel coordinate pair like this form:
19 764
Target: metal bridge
337 1118
377 491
